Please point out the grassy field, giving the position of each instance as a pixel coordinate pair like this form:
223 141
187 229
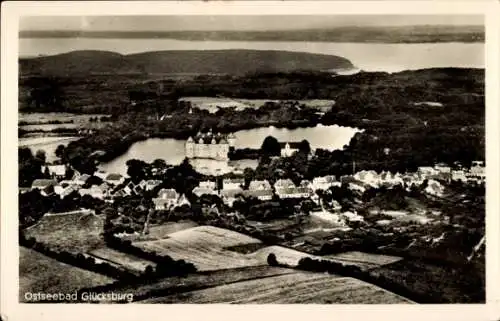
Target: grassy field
70 232
204 246
299 287
39 273
362 259
439 284
124 260
201 280
158 232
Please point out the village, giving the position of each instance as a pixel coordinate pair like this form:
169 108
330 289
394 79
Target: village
109 186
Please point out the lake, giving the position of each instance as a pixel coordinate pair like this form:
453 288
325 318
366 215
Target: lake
365 56
172 150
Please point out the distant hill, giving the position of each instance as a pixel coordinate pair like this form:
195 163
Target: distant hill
195 61
381 34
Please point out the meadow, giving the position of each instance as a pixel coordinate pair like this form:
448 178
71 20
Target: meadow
294 288
76 233
39 273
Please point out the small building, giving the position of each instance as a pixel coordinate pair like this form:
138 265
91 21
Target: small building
98 191
289 148
207 185
352 217
370 178
260 194
56 171
149 185
259 185
284 183
182 200
426 172
199 191
228 196
324 182
293 192
81 179
442 168
232 183
64 188
114 179
45 186
166 199
101 174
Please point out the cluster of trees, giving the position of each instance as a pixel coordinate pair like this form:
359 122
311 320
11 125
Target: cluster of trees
30 166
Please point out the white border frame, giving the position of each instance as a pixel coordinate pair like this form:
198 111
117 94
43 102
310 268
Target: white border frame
9 306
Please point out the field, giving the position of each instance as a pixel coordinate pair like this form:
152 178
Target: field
124 260
437 284
39 273
204 246
71 232
201 280
158 232
364 259
299 287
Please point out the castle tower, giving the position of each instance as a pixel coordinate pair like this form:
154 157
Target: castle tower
189 148
231 140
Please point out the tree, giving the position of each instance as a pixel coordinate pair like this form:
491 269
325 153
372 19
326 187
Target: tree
137 170
270 146
271 260
304 147
249 175
40 154
60 151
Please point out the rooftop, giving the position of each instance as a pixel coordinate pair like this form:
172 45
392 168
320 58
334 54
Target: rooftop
293 145
169 193
43 182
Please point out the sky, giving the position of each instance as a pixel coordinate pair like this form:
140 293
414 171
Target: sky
177 23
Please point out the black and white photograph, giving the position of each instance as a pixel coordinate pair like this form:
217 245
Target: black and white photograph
251 159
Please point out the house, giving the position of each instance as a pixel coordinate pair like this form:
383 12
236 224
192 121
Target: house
97 191
289 148
228 196
182 200
149 185
65 188
56 171
352 217
207 184
198 191
261 194
259 185
114 179
293 192
305 183
101 174
166 199
324 182
370 178
45 186
232 183
81 179
357 186
477 172
426 172
442 168
434 188
284 183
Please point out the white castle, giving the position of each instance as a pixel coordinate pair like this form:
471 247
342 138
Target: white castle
210 146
